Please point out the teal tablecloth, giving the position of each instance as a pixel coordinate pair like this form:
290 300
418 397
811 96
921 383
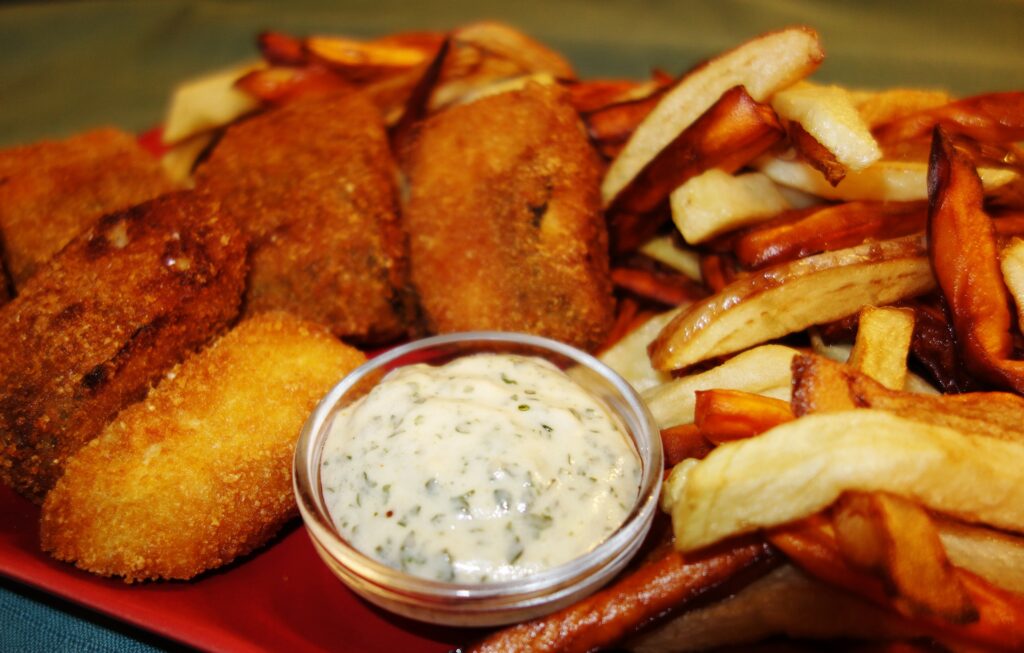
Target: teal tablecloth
68 66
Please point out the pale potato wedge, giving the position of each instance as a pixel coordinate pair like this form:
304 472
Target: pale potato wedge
682 259
179 161
764 370
789 297
799 468
896 181
763 66
716 202
882 345
208 102
827 113
996 556
629 357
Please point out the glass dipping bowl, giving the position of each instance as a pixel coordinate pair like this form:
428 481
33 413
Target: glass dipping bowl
494 603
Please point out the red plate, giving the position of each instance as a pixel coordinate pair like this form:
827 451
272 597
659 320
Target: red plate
282 598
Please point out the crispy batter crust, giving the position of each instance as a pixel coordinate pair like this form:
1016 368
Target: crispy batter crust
504 220
313 184
200 472
121 304
51 191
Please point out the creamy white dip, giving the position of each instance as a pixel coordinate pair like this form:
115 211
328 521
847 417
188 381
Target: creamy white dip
488 468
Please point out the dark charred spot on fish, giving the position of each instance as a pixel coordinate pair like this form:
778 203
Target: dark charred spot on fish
67 315
95 378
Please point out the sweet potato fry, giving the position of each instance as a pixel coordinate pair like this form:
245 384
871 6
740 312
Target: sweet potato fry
828 228
962 248
1011 263
811 544
895 539
732 132
814 153
670 289
668 583
281 49
611 126
281 84
361 61
684 441
724 415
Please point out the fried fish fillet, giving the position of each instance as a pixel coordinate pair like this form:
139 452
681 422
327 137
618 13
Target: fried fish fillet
200 472
504 221
313 183
90 332
51 191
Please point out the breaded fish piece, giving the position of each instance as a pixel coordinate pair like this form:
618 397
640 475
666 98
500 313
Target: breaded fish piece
504 220
124 302
200 472
51 191
313 183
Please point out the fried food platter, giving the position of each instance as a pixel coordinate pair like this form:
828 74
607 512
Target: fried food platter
290 599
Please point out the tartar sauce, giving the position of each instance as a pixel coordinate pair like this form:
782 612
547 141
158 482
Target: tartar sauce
488 468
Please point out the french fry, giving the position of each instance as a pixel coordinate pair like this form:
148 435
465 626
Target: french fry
280 49
360 61
811 544
889 181
996 556
669 288
763 370
504 42
883 341
207 103
629 358
718 271
732 132
666 251
829 228
669 582
820 385
815 154
894 539
782 299
988 118
281 84
963 252
878 107
683 441
715 202
1011 263
763 66
725 415
799 468
611 126
828 114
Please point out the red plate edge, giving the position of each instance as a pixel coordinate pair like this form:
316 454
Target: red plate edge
281 598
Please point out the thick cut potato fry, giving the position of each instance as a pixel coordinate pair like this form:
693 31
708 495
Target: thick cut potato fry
665 250
763 66
996 556
715 202
828 114
763 370
815 154
799 468
363 60
884 181
730 134
629 358
683 441
895 539
724 415
988 118
207 103
963 252
1011 263
805 232
782 299
820 384
883 341
669 582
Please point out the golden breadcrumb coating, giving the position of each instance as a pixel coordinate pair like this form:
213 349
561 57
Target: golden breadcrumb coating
52 190
504 220
314 185
201 471
90 332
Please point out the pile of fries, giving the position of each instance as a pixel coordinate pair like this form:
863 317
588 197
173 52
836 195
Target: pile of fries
821 294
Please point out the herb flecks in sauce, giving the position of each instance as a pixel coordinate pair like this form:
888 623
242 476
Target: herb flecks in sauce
497 466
